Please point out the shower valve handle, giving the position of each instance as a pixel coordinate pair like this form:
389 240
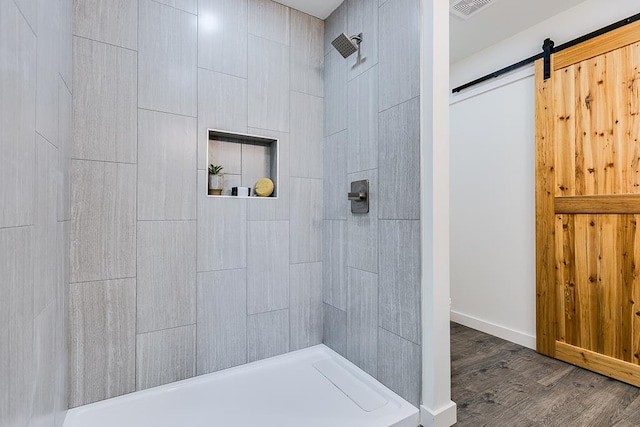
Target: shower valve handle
357 196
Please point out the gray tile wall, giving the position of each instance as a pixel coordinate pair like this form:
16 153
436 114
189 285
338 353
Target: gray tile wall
194 283
371 280
35 153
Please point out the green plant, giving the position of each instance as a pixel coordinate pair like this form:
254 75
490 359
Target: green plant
215 169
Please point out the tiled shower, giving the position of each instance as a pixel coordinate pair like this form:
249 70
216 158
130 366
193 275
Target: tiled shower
122 273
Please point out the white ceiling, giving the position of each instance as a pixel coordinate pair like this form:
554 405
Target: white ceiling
496 22
499 21
318 8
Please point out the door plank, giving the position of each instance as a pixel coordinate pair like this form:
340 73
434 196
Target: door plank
545 219
612 204
626 255
563 108
599 110
612 40
600 363
618 80
608 283
635 311
586 173
632 128
568 299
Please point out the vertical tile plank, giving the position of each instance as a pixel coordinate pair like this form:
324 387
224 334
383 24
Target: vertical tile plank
335 93
103 245
103 338
362 320
336 186
166 356
167 60
306 135
306 220
47 70
104 102
334 332
306 305
363 122
399 366
166 274
166 166
399 303
222 36
399 55
267 266
16 330
335 264
268 84
267 334
17 118
222 320
400 131
110 21
307 54
269 20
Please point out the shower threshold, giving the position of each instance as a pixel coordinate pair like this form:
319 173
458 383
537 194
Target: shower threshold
315 387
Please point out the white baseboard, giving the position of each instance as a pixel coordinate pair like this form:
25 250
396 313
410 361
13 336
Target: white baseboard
503 332
443 417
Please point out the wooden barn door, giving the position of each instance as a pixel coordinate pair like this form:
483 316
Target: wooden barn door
588 205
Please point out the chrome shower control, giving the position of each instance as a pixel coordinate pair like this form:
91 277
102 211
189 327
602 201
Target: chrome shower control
359 197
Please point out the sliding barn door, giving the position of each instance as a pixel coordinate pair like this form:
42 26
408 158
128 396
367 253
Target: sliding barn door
588 205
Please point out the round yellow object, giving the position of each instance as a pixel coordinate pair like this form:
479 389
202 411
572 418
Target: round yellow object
264 187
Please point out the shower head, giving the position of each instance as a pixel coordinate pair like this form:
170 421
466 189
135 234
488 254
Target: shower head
346 45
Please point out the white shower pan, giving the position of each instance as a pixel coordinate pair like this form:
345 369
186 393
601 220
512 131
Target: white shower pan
314 387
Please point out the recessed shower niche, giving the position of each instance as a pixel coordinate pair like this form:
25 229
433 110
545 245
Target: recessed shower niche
245 159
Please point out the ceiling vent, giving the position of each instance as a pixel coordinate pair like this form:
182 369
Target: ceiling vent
465 9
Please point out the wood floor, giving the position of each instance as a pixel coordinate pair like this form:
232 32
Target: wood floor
500 384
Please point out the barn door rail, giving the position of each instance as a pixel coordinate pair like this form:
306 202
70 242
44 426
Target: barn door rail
549 49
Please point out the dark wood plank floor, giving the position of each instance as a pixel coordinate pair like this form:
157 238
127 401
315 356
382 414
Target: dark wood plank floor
500 384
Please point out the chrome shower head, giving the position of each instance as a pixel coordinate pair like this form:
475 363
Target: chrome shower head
346 45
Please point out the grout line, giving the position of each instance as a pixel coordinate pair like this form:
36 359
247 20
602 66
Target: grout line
176 8
165 329
221 72
166 220
267 312
104 161
398 104
362 271
305 93
100 280
104 43
169 112
334 307
399 336
17 227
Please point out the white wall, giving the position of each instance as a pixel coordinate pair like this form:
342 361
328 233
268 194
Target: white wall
492 176
492 210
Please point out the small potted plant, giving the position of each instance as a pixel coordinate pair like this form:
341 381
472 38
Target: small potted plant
216 180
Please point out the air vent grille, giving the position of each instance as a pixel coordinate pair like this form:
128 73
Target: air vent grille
465 9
